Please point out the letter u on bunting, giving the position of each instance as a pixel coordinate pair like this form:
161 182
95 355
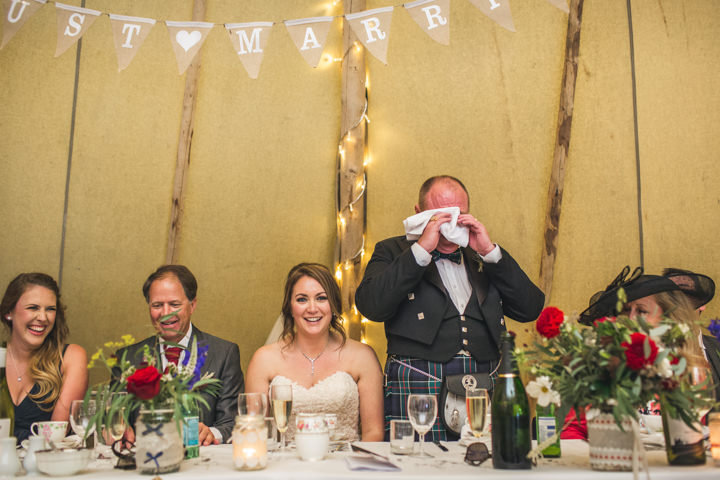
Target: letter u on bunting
249 41
309 35
372 27
186 39
17 12
498 11
128 34
433 16
561 4
72 22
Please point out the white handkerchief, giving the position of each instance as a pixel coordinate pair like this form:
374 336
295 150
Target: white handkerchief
415 225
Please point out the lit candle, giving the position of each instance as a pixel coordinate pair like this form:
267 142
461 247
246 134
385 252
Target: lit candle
250 443
714 424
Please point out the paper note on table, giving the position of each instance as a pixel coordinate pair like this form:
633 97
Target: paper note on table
367 462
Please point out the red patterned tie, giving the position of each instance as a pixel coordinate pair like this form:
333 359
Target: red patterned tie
172 354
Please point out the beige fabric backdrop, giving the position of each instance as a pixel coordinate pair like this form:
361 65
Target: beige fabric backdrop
260 191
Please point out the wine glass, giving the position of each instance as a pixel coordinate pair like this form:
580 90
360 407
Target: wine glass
80 415
252 404
699 375
422 410
476 401
281 399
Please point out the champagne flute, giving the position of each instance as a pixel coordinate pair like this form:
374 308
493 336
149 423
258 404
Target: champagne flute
422 410
80 415
476 401
281 398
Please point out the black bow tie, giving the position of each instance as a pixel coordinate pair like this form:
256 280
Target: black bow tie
455 256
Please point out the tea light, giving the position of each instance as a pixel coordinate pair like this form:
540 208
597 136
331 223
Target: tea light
249 440
714 424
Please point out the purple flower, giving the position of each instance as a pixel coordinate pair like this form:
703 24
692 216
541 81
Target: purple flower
201 356
714 327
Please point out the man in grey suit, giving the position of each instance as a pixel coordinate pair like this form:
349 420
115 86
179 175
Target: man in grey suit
173 288
443 306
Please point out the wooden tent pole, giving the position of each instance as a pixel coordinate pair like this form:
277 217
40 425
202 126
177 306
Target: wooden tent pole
562 144
184 143
351 182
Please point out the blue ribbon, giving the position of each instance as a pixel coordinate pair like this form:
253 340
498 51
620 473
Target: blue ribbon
155 429
154 458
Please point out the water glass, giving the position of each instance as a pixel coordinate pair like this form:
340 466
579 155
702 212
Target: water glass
402 437
80 415
252 404
422 410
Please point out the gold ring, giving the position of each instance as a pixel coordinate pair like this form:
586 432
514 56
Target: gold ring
433 218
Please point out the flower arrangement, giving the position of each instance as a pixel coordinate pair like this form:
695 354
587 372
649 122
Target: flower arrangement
618 365
146 386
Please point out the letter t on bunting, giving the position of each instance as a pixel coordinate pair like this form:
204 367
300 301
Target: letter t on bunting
72 22
129 33
309 35
433 16
498 11
17 12
249 41
372 27
186 39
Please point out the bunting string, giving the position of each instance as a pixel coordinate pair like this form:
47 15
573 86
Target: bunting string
372 27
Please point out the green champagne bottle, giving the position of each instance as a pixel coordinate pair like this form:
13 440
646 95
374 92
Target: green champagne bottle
546 424
191 428
7 409
683 445
510 413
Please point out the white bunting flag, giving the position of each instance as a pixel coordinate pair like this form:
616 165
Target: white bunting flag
372 27
128 34
433 16
249 41
186 39
561 4
309 35
497 10
17 12
72 22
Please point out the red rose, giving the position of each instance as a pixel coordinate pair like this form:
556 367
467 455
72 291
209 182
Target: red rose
549 321
144 383
635 351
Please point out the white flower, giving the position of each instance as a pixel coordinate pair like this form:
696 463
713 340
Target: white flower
684 328
664 368
541 389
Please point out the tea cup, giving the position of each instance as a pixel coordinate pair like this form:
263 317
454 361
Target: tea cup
52 431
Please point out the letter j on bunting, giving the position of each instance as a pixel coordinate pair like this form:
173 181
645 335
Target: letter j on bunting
498 11
249 41
433 16
186 39
309 35
72 23
128 34
17 12
372 28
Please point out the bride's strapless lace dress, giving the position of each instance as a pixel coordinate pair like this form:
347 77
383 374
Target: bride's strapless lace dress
337 393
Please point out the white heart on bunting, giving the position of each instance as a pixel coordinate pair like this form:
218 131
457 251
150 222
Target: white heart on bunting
188 39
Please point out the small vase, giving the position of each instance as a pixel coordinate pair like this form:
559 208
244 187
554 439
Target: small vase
610 448
9 462
159 447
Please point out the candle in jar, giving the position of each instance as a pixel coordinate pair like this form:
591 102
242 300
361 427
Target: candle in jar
250 442
714 424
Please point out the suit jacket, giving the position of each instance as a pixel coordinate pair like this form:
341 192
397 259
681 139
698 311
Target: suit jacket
223 359
411 300
712 350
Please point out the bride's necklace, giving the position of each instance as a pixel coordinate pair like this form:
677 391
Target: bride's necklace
312 360
19 376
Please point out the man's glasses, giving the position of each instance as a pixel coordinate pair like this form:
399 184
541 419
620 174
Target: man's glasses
476 454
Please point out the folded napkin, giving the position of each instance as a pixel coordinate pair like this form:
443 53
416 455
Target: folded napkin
368 462
415 225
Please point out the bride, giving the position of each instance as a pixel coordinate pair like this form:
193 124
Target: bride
329 372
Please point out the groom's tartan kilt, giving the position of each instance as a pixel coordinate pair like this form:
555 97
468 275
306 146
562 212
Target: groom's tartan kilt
401 381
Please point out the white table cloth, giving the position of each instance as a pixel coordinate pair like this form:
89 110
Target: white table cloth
216 463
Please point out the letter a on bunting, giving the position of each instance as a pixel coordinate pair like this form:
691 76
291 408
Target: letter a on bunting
372 27
186 39
17 12
72 22
433 16
498 11
128 34
309 35
249 41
